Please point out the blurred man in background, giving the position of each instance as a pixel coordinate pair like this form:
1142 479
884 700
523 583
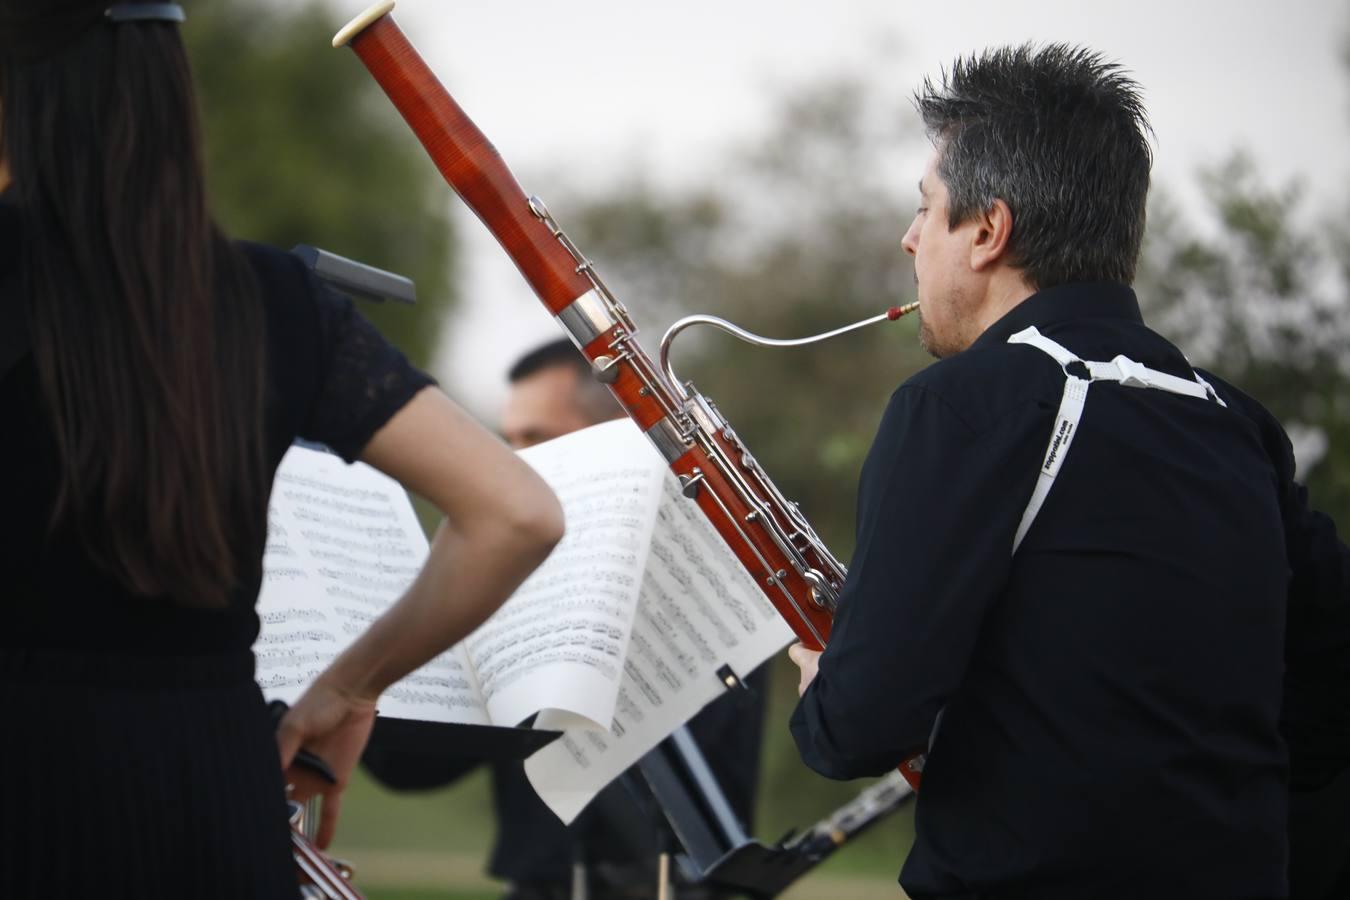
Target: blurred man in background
553 393
610 851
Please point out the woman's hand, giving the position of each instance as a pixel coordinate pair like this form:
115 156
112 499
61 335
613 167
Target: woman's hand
502 520
334 725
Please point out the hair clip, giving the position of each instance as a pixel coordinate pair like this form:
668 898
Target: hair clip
145 12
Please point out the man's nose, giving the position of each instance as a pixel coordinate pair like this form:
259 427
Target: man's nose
911 239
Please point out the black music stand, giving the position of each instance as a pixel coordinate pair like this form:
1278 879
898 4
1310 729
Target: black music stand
355 279
413 737
718 852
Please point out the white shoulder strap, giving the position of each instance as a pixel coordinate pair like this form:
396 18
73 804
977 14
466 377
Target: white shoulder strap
1066 424
1121 370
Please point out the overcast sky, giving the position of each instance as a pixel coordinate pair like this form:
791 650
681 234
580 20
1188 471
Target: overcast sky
578 91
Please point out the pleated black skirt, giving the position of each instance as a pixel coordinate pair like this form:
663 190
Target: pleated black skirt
140 778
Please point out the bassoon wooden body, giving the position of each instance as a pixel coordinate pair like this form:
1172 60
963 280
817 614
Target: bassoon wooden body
766 531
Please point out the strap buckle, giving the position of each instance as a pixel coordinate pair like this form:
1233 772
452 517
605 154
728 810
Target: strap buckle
1132 374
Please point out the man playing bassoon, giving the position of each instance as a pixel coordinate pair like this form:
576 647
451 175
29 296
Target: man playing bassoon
1074 555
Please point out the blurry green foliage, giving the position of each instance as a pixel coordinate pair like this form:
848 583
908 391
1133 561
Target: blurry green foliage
303 148
1261 300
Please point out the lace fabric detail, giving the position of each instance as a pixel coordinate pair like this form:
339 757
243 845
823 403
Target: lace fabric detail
365 379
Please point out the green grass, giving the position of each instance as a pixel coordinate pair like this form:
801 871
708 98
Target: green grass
457 819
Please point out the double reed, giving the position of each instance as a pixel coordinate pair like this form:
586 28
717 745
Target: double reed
764 529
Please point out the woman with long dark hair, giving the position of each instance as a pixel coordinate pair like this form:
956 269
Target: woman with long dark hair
152 374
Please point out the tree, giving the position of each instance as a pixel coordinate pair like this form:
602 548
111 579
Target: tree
1262 303
302 147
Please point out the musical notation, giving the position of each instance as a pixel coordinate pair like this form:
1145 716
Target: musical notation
283 573
377 565
640 647
683 583
288 678
291 614
328 486
661 602
638 679
627 710
712 582
432 698
568 744
343 544
308 635
309 661
501 672
382 549
383 587
686 519
340 507
341 591
653 621
328 520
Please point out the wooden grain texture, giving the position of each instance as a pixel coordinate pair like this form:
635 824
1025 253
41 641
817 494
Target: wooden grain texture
469 163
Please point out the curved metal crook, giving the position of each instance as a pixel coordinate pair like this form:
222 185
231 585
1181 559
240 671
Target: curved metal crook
668 338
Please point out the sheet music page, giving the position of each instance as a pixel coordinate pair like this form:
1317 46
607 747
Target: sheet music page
699 609
559 642
343 543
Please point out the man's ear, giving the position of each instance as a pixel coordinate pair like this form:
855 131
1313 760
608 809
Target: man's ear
993 230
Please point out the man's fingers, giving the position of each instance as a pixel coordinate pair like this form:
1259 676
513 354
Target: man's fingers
806 661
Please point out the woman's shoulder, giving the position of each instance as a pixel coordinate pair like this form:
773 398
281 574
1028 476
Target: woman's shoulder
295 304
342 378
279 274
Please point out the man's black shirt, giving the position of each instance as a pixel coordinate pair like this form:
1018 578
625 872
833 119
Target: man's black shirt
1111 693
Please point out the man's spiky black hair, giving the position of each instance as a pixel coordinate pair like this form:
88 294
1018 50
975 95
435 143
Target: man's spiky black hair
1060 135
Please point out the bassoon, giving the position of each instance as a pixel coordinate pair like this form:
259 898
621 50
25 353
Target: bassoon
765 530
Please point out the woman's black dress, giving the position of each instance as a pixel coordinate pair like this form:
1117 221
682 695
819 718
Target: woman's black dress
136 755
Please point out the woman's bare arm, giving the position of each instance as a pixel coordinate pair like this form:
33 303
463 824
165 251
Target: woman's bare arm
501 521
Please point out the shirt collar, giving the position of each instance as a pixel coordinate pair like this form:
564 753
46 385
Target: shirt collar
1096 300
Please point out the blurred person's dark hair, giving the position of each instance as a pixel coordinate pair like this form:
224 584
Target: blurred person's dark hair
1061 136
145 323
593 399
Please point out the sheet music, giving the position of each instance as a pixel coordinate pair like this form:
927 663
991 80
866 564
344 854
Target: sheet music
343 543
559 643
699 609
616 639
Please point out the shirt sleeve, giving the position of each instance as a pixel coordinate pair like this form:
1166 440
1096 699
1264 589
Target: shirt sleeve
937 512
1315 717
364 379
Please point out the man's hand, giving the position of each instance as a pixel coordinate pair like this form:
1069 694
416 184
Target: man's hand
806 660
